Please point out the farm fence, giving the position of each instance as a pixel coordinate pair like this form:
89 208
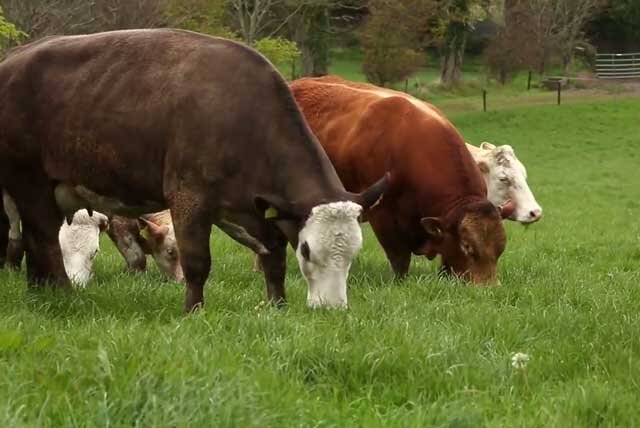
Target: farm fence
618 65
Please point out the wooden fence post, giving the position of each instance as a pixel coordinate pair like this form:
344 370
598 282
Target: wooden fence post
484 100
559 90
529 81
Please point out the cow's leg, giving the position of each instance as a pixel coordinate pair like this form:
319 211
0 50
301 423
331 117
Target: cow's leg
257 264
274 266
395 247
4 233
15 245
41 221
192 226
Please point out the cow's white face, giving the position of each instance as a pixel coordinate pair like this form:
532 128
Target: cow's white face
506 179
80 243
328 242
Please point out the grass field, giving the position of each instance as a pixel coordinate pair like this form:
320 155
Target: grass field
419 353
467 95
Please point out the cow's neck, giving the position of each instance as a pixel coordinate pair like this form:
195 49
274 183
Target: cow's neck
308 176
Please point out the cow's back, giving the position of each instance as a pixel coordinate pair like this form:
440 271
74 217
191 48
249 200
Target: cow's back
112 110
368 130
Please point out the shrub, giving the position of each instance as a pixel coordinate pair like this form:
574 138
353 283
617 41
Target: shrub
387 42
278 50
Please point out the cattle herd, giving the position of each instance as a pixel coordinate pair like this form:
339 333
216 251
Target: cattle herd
156 135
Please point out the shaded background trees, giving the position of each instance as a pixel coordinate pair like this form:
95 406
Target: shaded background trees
396 37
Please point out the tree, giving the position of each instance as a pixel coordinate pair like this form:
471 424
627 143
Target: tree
389 41
41 18
455 19
258 18
203 16
313 27
8 32
310 28
555 27
209 17
618 21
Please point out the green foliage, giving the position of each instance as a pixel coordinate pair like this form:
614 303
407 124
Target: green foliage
208 17
424 352
278 50
388 42
618 20
203 16
8 32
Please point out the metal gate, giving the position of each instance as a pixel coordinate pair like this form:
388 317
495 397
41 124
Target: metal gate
618 65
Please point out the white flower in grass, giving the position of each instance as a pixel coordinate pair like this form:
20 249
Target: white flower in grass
519 360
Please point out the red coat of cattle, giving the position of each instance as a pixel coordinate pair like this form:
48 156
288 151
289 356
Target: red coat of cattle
437 201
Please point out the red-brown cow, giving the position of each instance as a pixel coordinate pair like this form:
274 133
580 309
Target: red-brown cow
437 202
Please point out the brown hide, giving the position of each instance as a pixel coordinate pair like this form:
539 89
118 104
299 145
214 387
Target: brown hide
197 124
4 233
368 130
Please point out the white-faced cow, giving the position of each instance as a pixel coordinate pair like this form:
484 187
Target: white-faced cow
79 246
138 121
159 241
506 179
80 243
79 240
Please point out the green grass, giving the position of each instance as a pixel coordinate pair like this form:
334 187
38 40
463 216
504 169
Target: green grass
425 352
466 96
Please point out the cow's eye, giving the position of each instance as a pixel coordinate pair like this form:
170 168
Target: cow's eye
171 252
305 251
504 180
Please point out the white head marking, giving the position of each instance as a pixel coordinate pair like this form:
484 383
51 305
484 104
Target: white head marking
329 240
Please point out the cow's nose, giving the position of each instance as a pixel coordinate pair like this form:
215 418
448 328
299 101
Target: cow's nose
535 214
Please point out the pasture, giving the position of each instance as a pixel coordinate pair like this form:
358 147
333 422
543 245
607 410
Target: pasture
426 351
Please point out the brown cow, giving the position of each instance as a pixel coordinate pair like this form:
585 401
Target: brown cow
132 122
437 201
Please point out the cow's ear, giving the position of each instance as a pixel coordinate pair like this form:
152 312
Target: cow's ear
155 232
487 146
373 195
272 207
484 167
433 227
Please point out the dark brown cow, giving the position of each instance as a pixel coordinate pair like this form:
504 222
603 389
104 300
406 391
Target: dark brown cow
4 234
131 122
437 200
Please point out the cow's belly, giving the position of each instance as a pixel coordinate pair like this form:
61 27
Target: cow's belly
72 198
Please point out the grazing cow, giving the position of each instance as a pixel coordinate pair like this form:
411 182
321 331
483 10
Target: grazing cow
124 232
138 121
437 202
80 243
160 242
506 180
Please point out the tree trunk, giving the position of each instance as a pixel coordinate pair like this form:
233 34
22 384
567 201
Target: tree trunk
453 53
311 35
